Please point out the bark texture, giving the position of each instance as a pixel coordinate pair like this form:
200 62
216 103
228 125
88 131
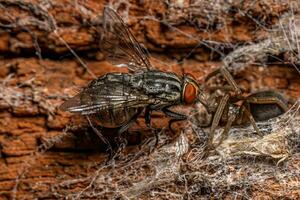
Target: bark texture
47 153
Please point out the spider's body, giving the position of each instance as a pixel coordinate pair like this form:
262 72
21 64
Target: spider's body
232 108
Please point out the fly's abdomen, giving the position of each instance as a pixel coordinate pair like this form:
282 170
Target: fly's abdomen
113 118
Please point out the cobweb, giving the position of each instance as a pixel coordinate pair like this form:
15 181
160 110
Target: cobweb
244 163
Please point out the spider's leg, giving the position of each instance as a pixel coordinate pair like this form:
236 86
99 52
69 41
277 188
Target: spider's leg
226 74
268 100
252 121
216 119
232 114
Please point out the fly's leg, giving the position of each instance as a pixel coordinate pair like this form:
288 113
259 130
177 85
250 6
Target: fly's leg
99 134
122 142
148 117
148 123
172 121
126 126
175 117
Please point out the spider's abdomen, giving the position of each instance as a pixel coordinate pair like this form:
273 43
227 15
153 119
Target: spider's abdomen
265 111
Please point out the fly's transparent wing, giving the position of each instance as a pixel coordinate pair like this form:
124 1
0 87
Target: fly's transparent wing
120 44
74 101
87 107
102 96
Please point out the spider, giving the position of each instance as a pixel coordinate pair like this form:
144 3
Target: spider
232 108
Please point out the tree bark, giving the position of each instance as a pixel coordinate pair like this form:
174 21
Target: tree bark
49 50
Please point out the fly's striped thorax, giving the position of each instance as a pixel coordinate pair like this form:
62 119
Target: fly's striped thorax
164 85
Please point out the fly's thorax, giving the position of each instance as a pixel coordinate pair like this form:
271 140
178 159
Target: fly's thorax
109 78
165 86
190 89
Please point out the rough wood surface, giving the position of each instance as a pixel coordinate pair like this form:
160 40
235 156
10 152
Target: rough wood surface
38 72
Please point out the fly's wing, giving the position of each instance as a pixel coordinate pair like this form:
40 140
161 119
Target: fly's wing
120 44
103 97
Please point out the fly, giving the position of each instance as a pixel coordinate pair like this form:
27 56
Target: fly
117 99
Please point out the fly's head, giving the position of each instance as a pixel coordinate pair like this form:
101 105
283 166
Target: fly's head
190 89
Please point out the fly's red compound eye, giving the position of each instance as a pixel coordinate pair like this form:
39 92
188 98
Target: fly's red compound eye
190 93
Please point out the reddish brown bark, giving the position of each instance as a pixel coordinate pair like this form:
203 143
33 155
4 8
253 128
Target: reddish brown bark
32 88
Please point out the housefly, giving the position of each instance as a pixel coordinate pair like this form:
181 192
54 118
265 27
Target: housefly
117 99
